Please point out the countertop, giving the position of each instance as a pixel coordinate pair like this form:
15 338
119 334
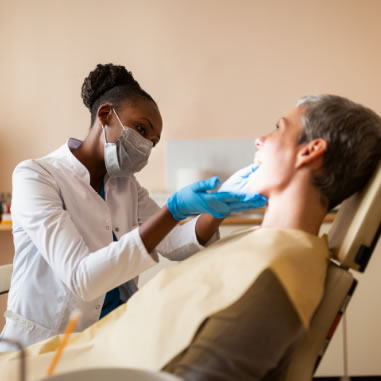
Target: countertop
254 217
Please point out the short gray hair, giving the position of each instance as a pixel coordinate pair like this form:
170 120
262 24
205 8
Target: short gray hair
353 134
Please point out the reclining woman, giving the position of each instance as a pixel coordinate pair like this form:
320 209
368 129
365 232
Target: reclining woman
234 310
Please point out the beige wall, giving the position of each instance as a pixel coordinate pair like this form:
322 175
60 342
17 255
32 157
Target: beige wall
217 68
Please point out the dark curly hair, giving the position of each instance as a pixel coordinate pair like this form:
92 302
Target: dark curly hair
353 134
110 84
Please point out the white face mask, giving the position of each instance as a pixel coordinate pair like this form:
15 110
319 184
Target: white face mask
128 155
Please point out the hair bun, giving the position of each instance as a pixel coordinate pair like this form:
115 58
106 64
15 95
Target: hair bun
102 79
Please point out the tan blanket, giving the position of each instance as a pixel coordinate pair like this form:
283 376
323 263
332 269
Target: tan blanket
161 319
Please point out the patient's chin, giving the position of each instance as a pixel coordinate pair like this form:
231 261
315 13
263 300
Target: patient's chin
257 187
253 184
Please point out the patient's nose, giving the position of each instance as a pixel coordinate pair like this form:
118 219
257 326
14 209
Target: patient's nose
259 142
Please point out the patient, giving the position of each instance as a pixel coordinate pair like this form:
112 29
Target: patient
320 153
235 310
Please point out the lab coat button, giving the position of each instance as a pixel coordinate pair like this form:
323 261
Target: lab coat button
116 229
107 227
98 306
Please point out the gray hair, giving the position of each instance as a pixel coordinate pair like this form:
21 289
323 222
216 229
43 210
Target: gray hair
353 134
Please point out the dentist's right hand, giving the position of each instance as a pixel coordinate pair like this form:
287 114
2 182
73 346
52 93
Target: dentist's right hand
195 199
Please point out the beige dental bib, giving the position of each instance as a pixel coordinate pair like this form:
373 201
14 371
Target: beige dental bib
162 318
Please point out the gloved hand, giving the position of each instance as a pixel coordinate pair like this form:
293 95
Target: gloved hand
194 199
238 180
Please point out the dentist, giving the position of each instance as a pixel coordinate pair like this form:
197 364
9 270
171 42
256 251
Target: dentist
83 227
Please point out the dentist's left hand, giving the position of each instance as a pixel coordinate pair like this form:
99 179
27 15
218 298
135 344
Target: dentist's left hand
194 199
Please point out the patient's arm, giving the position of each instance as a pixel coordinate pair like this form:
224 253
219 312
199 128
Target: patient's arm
246 341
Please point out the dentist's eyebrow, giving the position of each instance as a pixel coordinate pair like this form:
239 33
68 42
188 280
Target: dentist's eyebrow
149 122
152 128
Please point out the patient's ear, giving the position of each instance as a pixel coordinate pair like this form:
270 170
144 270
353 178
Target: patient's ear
312 153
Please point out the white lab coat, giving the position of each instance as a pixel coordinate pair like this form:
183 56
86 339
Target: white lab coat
65 257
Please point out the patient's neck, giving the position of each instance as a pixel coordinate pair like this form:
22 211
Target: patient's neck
296 207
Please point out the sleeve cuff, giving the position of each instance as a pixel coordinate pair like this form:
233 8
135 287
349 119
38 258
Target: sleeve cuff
215 237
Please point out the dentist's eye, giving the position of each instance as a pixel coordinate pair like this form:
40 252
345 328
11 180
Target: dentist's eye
141 129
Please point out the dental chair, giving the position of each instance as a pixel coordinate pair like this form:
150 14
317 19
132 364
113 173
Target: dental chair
352 239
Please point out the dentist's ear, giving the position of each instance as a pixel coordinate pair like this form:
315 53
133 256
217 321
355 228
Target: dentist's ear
312 153
104 113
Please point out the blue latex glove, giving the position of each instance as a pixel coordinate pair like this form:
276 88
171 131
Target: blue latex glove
237 181
194 199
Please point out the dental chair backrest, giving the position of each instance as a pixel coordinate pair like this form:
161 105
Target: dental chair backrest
352 239
356 229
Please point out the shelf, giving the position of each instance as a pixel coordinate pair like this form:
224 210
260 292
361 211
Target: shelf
257 220
5 227
234 220
243 219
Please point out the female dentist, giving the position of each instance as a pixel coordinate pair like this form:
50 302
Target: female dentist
84 228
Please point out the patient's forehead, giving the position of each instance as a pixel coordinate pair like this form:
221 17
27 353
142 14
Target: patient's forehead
294 116
292 121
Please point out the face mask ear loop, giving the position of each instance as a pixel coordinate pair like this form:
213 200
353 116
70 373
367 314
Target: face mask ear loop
117 117
104 132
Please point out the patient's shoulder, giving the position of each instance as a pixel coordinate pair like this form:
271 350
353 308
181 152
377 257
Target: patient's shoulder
245 341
